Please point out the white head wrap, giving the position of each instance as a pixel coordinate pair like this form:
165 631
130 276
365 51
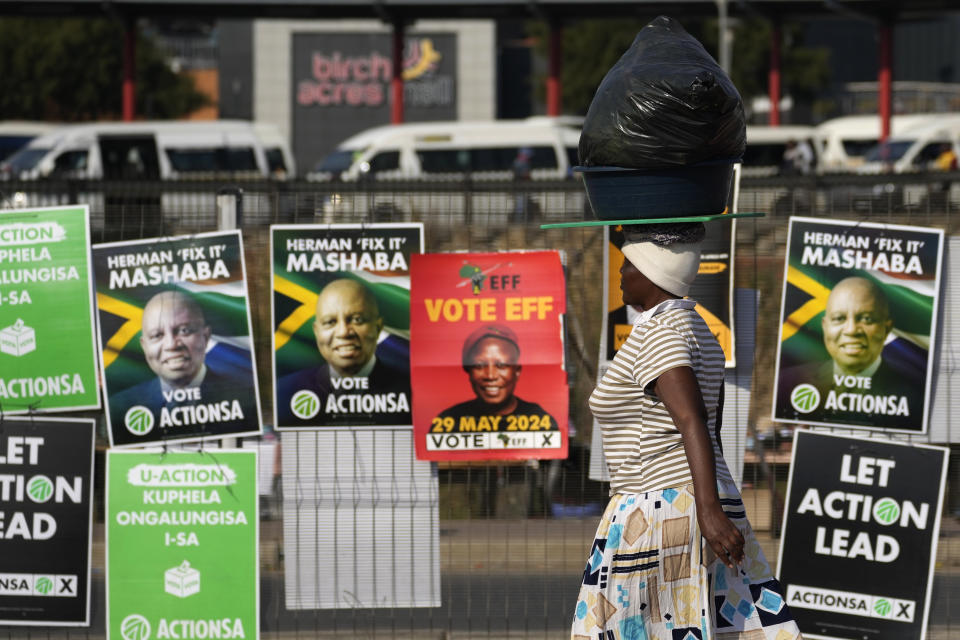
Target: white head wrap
672 267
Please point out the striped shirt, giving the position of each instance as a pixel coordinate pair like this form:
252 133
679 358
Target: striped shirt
643 448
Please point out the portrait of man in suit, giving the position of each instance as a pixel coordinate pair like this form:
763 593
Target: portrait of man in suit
856 385
352 385
174 339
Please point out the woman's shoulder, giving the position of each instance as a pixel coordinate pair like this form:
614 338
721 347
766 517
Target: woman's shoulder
687 322
671 322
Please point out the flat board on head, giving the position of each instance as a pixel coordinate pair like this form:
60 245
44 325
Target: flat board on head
600 223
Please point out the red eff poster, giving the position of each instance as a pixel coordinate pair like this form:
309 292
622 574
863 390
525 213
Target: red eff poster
486 356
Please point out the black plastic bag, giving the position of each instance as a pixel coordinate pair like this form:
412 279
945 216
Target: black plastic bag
665 103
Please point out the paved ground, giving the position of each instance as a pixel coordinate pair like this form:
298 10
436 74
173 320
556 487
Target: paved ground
501 580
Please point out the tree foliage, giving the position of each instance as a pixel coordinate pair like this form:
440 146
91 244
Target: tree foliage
72 70
591 47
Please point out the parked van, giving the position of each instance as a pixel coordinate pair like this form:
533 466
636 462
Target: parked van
15 134
916 148
441 149
766 146
542 148
841 143
146 151
66 166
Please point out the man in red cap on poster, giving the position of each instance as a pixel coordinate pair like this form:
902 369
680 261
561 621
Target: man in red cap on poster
491 359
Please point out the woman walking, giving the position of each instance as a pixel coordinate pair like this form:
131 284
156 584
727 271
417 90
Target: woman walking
674 557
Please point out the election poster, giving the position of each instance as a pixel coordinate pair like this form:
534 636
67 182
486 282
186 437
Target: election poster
182 544
175 340
46 511
487 359
341 324
712 289
859 536
857 325
47 345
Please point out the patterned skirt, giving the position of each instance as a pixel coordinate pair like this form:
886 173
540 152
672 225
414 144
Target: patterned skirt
649 576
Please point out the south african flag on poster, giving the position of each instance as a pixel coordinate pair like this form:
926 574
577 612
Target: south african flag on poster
857 326
341 324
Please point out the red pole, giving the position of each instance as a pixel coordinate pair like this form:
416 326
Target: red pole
396 83
773 77
556 67
129 70
884 79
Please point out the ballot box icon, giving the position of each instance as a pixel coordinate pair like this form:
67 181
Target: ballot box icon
18 339
182 581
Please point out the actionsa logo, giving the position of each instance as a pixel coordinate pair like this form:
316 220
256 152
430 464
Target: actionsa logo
805 398
305 404
138 420
886 511
40 488
43 585
135 627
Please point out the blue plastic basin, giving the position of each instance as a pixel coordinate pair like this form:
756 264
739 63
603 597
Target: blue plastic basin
618 193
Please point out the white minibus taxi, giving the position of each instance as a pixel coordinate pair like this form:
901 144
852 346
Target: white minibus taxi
426 150
915 148
449 151
147 150
143 154
841 143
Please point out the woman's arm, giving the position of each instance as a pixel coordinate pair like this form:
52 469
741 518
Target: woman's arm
680 393
719 419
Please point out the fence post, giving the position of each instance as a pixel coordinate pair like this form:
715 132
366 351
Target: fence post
229 208
229 216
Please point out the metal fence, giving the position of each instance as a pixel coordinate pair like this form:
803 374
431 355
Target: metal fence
513 537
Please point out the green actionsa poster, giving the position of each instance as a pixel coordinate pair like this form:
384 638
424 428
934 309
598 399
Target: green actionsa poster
182 545
47 345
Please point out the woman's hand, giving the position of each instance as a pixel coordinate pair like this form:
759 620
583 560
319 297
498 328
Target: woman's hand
721 534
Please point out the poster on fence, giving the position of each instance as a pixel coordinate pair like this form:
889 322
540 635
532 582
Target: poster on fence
341 324
182 544
859 536
47 345
176 345
857 325
46 511
713 291
487 358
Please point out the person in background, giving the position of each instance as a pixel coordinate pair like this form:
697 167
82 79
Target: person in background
947 158
523 202
797 158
